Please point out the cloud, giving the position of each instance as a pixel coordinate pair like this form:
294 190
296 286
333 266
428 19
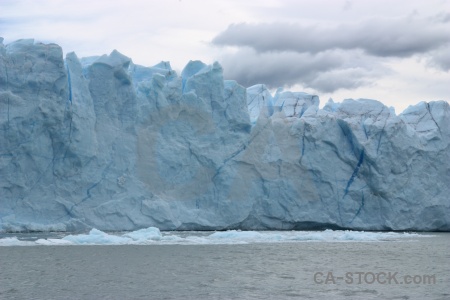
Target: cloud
327 59
440 58
347 5
384 37
442 17
327 71
147 31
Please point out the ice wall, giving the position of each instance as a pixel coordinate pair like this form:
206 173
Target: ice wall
105 143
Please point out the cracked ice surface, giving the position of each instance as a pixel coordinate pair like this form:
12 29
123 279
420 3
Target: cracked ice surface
105 143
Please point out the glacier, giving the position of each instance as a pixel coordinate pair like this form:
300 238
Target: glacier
101 142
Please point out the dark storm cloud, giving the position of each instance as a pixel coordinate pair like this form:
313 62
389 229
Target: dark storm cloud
327 59
379 37
325 72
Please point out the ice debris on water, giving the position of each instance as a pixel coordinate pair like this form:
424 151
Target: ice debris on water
153 236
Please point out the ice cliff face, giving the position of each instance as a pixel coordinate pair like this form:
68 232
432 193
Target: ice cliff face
105 143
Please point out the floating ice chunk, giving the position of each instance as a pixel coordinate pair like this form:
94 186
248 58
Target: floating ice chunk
53 242
14 241
151 233
172 239
97 237
291 236
233 234
153 236
309 236
349 235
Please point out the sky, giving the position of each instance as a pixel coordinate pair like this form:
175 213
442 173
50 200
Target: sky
397 52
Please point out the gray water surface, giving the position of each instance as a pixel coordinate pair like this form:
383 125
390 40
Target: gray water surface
240 271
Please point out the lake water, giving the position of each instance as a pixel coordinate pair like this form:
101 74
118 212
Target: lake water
275 265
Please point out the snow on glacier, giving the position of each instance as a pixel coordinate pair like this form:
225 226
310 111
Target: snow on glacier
104 143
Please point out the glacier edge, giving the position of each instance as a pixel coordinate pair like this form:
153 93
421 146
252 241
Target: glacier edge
105 143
